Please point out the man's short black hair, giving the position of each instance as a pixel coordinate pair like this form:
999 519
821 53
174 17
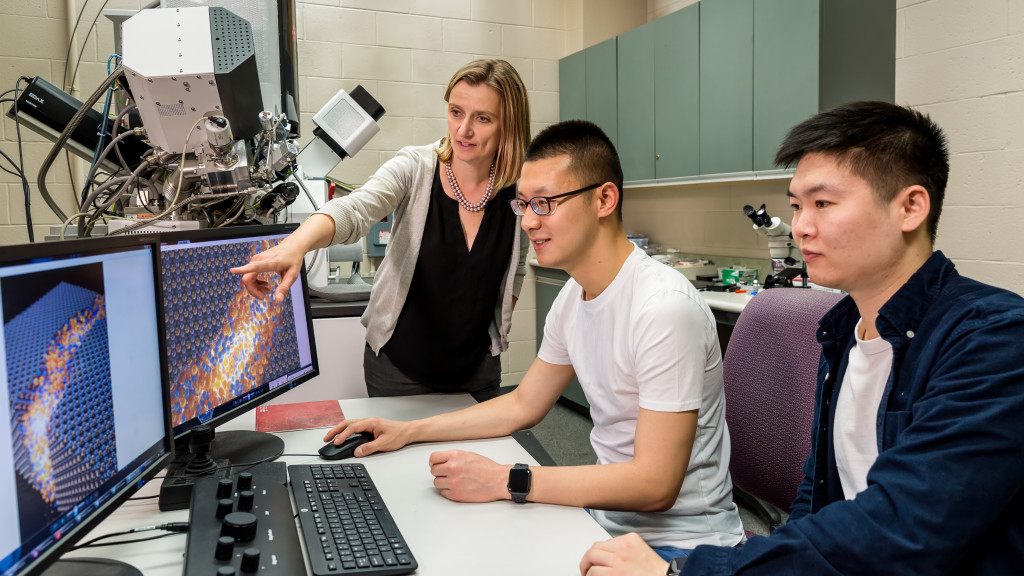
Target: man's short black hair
592 156
890 146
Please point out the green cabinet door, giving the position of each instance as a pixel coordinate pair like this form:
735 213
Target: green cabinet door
636 103
677 93
786 64
602 88
572 87
726 86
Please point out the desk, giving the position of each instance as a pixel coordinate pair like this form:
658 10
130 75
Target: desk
447 538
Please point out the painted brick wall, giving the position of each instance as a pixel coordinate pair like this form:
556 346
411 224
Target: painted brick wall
961 62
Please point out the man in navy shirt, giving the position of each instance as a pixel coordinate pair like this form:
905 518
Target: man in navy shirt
917 452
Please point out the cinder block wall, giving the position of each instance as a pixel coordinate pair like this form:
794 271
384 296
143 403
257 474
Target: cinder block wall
961 63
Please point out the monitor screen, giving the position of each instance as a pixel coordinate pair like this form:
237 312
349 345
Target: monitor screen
81 362
227 351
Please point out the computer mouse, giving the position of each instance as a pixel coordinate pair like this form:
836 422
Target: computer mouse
346 449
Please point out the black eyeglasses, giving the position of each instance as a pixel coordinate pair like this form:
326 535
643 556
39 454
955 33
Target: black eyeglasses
542 204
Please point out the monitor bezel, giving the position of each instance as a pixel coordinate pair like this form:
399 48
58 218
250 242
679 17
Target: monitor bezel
26 253
228 233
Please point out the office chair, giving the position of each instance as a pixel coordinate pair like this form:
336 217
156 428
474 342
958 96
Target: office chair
770 371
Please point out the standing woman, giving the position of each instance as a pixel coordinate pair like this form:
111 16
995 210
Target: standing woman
442 299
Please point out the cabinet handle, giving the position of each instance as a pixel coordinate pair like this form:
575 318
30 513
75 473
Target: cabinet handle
657 156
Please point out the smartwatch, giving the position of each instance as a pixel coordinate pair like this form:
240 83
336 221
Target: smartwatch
675 566
519 483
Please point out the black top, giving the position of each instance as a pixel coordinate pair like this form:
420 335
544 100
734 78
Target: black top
442 330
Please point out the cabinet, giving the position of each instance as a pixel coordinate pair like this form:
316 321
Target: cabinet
659 97
572 87
677 93
786 55
549 283
602 88
812 55
636 108
726 86
588 89
713 88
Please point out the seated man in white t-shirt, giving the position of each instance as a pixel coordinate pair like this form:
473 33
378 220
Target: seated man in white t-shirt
644 347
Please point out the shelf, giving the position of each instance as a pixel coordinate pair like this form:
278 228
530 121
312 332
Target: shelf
762 175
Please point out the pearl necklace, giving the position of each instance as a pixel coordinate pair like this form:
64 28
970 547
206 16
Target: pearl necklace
478 206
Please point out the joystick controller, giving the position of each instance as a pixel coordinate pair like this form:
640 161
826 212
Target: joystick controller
177 487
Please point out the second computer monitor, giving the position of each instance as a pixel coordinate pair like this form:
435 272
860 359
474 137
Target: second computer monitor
82 392
228 351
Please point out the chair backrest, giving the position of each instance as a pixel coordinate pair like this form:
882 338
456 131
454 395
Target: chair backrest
771 367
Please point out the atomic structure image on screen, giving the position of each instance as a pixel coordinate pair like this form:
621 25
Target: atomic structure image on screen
58 372
221 341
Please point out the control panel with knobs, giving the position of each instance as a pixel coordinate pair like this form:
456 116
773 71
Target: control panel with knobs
242 525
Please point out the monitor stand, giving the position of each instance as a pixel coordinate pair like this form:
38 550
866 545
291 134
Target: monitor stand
91 567
245 446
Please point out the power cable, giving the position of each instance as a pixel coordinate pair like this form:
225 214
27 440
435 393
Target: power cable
70 86
20 166
71 42
87 34
63 138
172 527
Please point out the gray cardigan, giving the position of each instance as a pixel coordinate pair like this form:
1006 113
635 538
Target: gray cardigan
403 185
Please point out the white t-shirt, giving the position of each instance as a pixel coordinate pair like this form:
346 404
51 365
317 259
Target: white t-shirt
854 432
649 341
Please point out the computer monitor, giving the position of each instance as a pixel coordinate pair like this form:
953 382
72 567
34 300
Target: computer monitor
83 391
227 351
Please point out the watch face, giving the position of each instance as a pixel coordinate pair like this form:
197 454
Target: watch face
519 480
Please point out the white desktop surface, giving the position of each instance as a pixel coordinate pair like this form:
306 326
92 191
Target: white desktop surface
726 301
446 538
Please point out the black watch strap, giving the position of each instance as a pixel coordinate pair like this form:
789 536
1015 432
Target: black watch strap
519 482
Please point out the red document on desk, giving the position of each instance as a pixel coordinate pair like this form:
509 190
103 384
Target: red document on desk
299 416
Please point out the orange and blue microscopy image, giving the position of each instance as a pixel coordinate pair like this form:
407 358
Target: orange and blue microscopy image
222 343
61 402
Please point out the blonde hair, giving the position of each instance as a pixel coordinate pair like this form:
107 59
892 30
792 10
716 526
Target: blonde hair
515 115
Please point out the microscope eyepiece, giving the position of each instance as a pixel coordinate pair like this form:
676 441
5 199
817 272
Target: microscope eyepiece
759 217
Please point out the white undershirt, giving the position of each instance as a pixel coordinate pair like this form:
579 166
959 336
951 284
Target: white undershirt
856 422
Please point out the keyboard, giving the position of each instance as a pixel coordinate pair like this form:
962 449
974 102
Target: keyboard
344 522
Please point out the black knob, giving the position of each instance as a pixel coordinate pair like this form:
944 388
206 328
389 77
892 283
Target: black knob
225 548
224 488
224 507
245 498
245 481
226 571
239 525
251 560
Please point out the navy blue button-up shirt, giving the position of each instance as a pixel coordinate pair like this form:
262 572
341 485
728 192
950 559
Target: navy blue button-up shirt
945 494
